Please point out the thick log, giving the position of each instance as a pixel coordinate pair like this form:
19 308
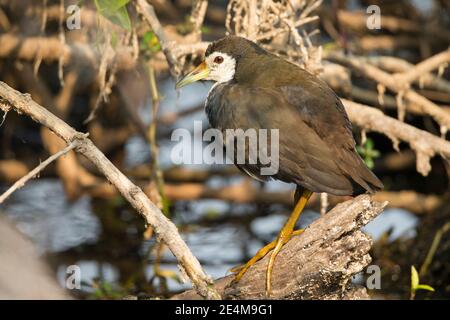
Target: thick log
318 264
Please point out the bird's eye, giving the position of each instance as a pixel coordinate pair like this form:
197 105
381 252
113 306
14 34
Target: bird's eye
218 59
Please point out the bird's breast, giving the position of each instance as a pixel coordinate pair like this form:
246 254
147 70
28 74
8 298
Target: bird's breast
219 106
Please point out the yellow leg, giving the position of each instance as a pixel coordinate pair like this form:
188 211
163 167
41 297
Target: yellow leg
283 237
258 256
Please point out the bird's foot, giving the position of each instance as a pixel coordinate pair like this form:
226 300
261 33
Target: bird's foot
276 246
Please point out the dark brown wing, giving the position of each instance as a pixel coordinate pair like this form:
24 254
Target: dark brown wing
316 146
320 109
326 115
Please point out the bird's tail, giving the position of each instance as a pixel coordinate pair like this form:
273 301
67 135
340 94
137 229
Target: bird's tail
361 175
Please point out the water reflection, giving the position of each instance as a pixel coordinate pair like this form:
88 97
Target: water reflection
41 211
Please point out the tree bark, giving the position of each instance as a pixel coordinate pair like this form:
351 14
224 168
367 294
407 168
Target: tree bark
318 264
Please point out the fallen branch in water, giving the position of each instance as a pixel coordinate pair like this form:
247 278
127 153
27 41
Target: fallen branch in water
318 264
166 231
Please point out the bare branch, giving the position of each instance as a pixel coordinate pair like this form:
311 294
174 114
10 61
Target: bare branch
398 65
391 82
33 173
424 67
164 228
198 15
423 143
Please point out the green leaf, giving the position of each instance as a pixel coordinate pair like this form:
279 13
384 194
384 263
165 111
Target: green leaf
369 162
425 287
205 30
115 11
375 153
110 6
150 42
212 213
114 39
122 19
414 278
368 153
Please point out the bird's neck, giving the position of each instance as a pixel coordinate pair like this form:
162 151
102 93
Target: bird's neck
249 70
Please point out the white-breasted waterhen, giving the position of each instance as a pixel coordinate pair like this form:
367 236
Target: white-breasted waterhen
256 89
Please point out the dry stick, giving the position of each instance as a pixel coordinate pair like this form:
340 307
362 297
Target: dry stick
391 82
149 14
33 173
323 203
62 39
398 65
164 228
154 148
252 27
51 49
423 143
273 33
105 83
198 15
373 98
424 67
358 21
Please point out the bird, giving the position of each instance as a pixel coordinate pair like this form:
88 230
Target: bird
260 90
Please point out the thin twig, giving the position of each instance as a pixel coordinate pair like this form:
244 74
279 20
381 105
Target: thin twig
323 203
434 245
198 15
154 148
33 173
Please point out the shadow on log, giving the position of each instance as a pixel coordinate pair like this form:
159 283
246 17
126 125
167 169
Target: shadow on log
318 264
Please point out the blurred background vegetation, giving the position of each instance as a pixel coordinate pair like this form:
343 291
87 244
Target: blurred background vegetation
110 78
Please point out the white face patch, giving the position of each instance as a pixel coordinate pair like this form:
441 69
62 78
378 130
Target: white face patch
221 67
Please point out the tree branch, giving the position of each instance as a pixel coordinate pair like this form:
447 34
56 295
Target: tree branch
164 228
21 182
400 87
423 143
198 15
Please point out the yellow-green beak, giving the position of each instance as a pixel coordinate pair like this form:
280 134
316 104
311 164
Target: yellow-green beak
199 73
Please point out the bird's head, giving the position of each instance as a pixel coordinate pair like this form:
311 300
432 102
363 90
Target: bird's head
222 60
